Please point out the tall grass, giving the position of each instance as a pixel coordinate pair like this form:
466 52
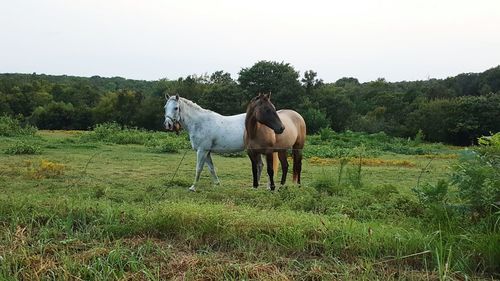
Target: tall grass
213 226
126 220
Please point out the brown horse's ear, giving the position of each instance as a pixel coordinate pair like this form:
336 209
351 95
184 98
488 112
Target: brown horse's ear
177 96
269 96
266 96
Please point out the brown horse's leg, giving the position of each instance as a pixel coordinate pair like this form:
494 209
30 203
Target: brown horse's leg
297 165
284 165
270 171
254 158
260 165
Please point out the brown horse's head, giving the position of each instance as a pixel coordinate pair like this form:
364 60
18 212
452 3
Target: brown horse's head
264 112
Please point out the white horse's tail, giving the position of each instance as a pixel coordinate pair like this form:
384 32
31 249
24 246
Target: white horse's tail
275 162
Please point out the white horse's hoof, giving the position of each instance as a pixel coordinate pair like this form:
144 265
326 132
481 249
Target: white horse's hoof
192 188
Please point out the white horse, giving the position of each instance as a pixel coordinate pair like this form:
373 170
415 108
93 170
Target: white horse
208 131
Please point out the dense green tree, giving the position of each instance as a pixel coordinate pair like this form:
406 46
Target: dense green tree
474 116
310 82
455 110
223 95
4 105
55 115
347 81
338 108
150 114
191 87
280 79
315 120
121 107
491 79
434 118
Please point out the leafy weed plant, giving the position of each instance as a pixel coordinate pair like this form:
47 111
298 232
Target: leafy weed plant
23 147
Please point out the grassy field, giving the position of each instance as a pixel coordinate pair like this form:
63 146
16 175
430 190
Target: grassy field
83 208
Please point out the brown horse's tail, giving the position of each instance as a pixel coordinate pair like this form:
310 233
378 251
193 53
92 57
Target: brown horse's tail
275 162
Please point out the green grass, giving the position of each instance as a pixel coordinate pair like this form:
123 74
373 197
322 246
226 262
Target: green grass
115 214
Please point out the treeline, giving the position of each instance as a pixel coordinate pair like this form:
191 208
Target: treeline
455 110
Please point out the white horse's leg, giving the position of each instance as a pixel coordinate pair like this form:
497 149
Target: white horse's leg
201 157
211 168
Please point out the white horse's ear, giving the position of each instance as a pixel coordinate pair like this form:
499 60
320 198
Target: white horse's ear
177 97
166 96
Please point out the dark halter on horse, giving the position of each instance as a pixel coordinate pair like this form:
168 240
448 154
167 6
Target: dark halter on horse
177 127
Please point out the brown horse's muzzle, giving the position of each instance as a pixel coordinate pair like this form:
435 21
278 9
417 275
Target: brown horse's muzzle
279 130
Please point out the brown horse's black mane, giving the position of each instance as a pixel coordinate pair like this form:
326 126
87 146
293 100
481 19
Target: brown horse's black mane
251 119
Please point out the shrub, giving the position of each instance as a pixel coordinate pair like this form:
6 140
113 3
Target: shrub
432 194
327 151
326 134
477 176
10 127
315 120
419 137
164 145
329 143
383 191
113 133
155 141
23 147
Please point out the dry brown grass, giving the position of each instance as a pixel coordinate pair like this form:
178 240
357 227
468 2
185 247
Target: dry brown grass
373 162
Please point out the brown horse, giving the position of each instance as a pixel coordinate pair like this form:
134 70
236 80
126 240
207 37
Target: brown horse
268 131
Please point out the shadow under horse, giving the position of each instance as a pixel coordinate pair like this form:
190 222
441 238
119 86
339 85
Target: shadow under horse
272 132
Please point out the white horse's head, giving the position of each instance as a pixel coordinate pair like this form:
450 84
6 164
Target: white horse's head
172 113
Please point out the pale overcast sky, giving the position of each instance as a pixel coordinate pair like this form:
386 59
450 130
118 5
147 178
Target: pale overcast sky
394 39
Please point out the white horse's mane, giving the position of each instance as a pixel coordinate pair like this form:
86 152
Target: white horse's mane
191 104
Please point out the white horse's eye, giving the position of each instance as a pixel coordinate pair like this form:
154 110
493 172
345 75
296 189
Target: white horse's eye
176 108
